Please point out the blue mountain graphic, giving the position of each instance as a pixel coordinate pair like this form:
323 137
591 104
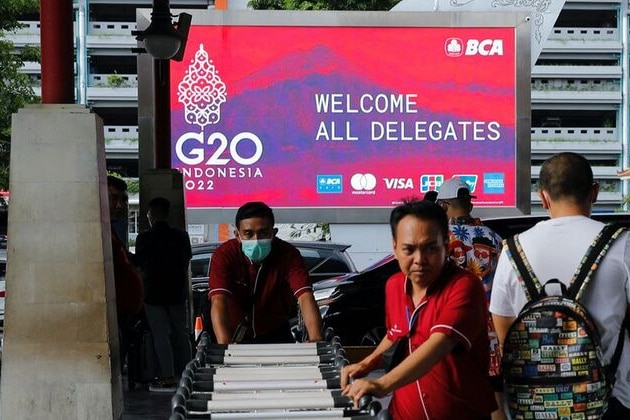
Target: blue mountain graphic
283 113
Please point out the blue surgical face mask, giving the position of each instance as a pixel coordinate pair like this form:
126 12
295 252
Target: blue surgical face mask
256 249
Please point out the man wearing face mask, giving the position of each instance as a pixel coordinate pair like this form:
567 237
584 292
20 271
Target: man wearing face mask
255 280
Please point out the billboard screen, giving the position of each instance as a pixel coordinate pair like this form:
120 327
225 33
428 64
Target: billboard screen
337 116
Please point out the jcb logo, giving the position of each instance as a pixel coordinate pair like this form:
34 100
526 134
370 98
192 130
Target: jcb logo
484 47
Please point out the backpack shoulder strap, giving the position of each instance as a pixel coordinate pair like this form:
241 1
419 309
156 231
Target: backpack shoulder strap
525 275
579 282
591 260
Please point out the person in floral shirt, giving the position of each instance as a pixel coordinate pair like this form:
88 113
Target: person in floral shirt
476 248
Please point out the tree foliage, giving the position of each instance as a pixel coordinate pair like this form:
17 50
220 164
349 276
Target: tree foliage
15 87
11 10
323 4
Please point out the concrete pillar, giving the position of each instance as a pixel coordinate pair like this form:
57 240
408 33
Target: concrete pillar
60 358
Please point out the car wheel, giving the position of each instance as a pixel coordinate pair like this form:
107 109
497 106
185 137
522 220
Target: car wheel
373 337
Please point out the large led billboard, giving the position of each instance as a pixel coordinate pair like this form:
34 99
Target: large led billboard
338 116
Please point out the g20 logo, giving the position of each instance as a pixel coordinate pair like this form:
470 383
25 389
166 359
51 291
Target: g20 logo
204 153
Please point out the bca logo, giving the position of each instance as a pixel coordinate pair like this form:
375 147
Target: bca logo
329 184
454 47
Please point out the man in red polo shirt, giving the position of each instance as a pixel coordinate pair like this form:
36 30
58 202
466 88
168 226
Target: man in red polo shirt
255 280
443 310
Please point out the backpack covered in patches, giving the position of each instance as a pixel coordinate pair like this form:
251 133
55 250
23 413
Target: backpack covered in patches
552 360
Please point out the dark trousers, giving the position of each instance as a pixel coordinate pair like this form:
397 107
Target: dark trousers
126 332
171 337
616 411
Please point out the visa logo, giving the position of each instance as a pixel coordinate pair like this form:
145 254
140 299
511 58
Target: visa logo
398 183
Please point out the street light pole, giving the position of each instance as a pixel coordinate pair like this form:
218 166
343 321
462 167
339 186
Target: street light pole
164 42
162 97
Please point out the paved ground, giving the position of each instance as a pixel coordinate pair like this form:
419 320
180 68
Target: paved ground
140 404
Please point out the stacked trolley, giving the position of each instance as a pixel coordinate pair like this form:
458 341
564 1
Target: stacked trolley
267 381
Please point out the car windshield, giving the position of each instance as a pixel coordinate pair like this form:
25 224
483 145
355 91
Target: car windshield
323 262
200 264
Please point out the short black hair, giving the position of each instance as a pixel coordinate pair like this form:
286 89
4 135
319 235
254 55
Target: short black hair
430 196
420 209
254 209
116 182
160 206
567 175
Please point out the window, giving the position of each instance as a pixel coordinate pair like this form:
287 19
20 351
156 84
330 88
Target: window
132 222
200 265
323 263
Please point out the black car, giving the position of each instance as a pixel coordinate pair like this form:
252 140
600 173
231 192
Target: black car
354 305
323 260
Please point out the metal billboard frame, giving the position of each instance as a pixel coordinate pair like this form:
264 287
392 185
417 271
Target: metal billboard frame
521 21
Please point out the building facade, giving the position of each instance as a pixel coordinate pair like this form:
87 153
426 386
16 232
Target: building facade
579 98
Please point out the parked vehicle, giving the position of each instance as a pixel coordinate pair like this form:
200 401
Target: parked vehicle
353 305
323 260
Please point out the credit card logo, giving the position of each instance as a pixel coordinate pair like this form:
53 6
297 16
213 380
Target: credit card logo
329 184
430 182
470 180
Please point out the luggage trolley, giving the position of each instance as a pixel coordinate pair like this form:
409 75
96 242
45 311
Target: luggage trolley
268 381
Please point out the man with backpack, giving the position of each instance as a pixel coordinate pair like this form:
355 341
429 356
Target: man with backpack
554 249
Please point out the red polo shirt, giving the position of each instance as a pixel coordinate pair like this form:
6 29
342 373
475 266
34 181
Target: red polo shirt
457 387
267 290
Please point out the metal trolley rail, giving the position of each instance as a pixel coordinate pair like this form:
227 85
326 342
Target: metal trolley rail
268 381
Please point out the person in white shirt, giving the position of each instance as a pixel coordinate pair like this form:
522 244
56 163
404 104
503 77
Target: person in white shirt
555 248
